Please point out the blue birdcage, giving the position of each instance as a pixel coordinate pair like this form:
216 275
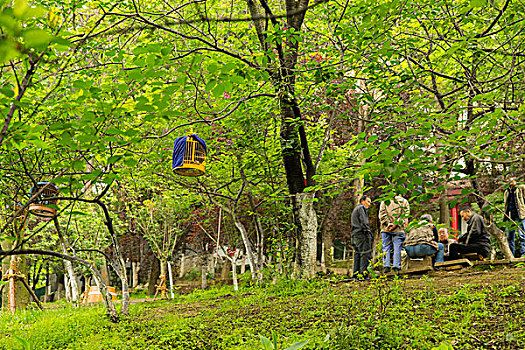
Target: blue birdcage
189 156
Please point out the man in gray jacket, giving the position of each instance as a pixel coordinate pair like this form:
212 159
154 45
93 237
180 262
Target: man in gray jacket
361 239
514 198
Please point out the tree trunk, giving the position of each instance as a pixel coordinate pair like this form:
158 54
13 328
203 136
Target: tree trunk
234 271
500 236
153 275
243 263
307 224
163 273
70 283
171 280
21 298
135 268
204 272
444 215
182 262
247 245
225 272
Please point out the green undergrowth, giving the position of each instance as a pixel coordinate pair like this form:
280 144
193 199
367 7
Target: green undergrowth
481 312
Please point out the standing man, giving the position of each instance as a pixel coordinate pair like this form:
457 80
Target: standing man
361 239
475 240
514 197
394 220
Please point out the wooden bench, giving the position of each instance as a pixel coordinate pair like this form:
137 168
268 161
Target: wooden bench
418 263
453 264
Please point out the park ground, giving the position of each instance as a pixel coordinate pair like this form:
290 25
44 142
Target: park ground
477 308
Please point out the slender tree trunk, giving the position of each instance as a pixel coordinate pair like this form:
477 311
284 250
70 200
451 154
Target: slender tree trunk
182 262
171 280
247 244
234 271
258 226
243 263
119 266
135 268
204 271
163 275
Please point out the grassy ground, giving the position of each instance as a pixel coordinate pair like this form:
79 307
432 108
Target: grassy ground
474 310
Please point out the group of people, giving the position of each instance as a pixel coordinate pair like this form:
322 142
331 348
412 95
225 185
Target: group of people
424 239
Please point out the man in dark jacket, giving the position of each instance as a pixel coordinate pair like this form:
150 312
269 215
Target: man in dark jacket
475 240
361 238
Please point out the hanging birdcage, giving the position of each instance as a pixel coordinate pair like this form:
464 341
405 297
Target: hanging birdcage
189 156
45 203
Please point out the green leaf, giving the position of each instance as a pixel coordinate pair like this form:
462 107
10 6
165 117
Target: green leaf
130 162
113 159
26 345
79 165
36 38
7 92
211 84
266 343
227 67
136 74
478 3
77 212
212 68
384 145
297 345
219 90
19 8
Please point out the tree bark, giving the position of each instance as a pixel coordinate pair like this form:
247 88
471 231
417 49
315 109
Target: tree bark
204 271
135 268
307 220
153 276
247 244
70 283
163 274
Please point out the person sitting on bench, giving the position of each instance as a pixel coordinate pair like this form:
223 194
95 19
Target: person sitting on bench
423 240
475 240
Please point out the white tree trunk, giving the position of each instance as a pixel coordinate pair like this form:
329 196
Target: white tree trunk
135 269
71 281
182 262
243 263
171 281
247 247
234 271
307 219
323 258
204 272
